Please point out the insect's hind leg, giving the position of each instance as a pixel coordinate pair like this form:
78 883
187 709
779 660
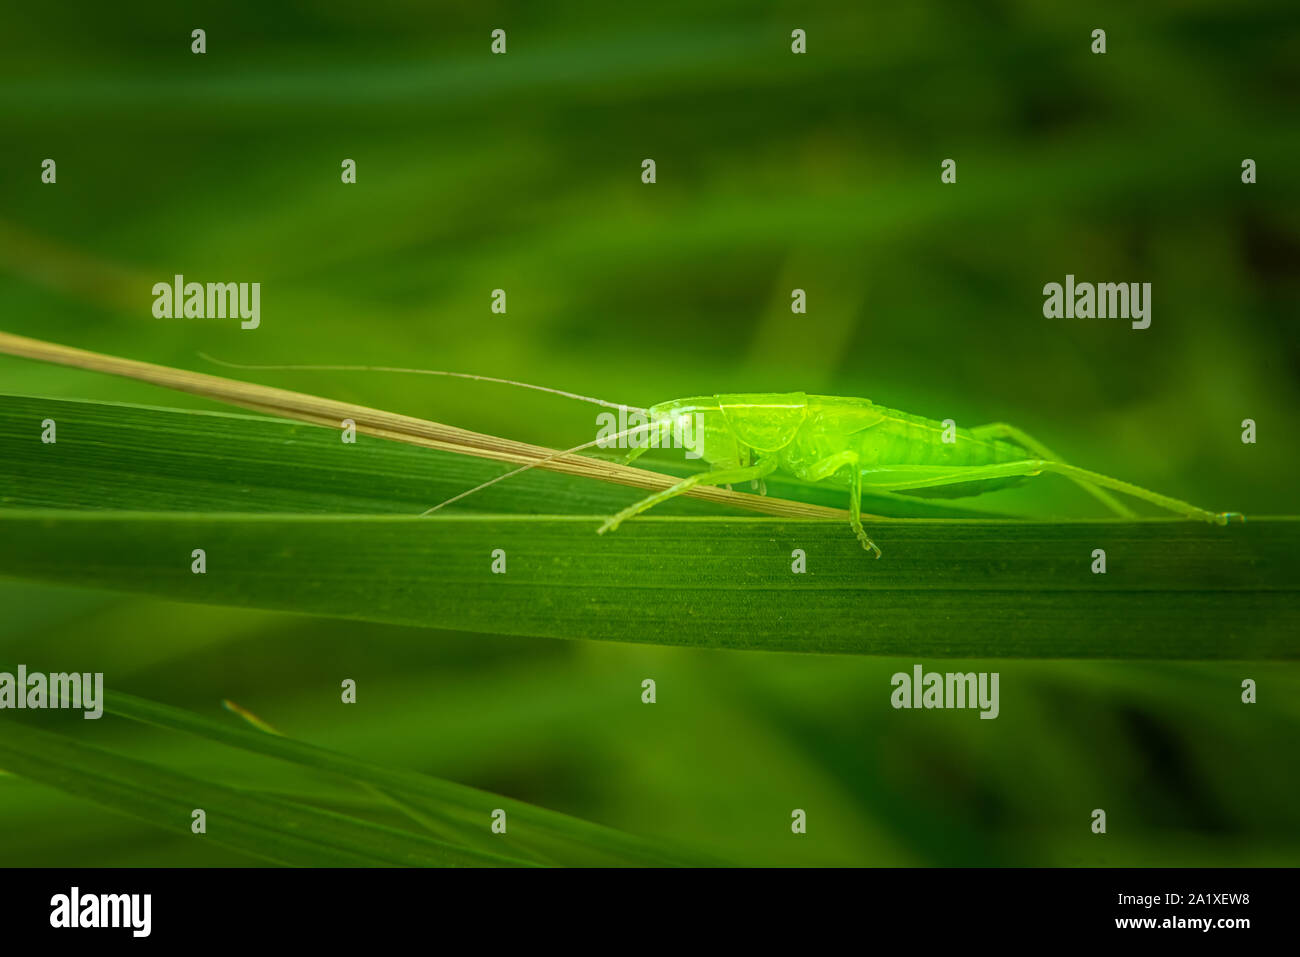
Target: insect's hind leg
717 477
929 476
1018 436
828 467
1155 498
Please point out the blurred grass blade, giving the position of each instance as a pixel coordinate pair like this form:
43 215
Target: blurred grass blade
569 840
264 827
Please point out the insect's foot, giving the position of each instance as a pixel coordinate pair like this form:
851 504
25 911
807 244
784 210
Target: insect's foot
609 526
1223 518
869 545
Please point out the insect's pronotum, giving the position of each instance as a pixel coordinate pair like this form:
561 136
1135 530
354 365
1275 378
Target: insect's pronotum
848 443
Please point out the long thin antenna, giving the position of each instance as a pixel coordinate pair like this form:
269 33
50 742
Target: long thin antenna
454 375
530 465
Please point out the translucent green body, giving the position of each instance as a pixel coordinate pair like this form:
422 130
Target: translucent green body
801 431
856 444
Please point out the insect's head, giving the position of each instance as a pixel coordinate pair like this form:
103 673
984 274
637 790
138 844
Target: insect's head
693 424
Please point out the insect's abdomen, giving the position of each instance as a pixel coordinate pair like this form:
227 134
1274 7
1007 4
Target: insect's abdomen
905 439
901 438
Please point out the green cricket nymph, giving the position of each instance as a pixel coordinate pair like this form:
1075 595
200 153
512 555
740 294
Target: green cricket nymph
855 444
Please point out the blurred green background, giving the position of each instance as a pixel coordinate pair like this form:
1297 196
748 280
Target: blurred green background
775 171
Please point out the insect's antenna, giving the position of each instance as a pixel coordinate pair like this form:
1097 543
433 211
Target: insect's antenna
454 375
532 465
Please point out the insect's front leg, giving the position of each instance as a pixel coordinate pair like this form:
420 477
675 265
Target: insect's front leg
716 477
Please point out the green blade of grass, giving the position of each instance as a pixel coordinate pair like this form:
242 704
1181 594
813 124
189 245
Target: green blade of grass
944 588
116 456
119 456
138 489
